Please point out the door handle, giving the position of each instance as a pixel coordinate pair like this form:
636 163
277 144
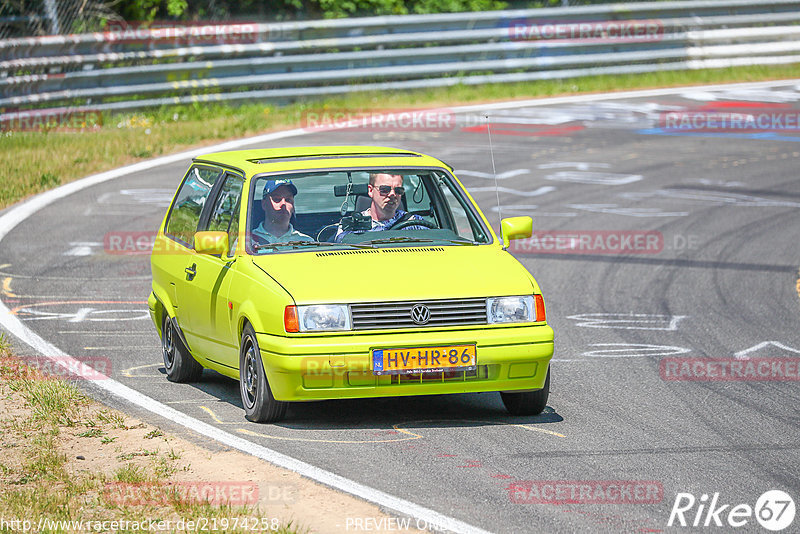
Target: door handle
191 271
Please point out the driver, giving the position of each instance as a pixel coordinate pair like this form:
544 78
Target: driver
386 192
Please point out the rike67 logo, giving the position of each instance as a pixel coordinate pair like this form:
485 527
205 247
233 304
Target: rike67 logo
774 510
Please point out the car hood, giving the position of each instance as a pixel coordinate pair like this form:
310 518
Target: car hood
394 274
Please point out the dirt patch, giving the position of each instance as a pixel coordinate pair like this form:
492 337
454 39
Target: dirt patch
105 465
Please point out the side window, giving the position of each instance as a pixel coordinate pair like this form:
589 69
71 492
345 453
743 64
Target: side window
416 194
192 196
225 215
467 225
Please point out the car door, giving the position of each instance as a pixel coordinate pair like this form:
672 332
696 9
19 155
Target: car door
214 335
174 258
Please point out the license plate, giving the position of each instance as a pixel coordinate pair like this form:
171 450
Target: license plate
424 359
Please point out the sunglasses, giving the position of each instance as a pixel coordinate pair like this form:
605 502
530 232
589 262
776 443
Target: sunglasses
385 189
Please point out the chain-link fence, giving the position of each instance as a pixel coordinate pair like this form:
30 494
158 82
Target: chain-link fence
25 18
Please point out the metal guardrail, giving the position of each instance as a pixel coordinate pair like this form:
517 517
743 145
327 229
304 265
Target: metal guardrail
134 68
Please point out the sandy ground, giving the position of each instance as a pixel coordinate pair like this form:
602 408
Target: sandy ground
277 494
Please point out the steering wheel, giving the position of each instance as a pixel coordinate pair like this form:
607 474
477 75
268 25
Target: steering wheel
413 222
333 228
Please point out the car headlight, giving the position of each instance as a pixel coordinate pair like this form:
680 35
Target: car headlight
510 309
317 318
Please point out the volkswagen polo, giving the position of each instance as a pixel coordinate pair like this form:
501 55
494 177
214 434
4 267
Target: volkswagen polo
344 272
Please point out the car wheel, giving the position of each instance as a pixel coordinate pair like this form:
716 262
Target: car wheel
527 402
179 363
259 404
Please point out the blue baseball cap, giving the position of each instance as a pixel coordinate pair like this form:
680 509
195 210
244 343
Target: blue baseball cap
272 185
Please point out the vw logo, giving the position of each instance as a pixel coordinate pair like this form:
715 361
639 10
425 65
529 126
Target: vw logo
420 314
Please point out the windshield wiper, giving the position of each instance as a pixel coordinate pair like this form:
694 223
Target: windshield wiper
295 244
259 246
461 242
399 239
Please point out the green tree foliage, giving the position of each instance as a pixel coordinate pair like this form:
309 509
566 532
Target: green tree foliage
276 10
150 10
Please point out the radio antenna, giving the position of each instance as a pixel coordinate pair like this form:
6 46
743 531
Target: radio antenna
494 172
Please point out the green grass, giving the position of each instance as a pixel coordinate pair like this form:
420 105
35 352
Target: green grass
36 480
52 401
37 161
115 419
131 473
156 433
91 433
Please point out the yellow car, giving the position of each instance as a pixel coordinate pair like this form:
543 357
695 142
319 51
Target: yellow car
344 272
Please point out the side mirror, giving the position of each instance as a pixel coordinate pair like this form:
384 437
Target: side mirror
211 243
516 228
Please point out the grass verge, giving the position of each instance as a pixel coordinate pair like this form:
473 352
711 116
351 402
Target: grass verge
122 480
37 161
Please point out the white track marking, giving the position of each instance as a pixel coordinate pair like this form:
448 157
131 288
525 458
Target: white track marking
82 248
579 165
535 193
15 215
744 354
159 197
628 321
13 325
629 212
103 334
752 95
645 93
713 198
20 212
633 350
490 176
596 178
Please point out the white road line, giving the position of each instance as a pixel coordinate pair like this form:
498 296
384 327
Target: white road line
13 325
108 333
490 176
641 93
535 193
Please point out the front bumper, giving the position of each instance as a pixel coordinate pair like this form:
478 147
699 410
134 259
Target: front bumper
339 366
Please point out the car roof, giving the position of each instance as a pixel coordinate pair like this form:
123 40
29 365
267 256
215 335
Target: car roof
268 160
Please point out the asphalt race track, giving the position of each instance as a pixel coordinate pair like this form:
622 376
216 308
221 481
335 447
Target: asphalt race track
654 248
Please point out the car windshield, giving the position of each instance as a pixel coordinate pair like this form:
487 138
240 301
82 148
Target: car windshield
360 208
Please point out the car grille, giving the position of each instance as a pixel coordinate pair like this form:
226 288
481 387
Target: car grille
452 312
479 373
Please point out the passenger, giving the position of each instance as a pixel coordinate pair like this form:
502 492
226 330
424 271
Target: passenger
386 191
278 205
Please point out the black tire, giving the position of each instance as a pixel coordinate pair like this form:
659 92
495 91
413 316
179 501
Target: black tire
527 402
259 404
178 361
